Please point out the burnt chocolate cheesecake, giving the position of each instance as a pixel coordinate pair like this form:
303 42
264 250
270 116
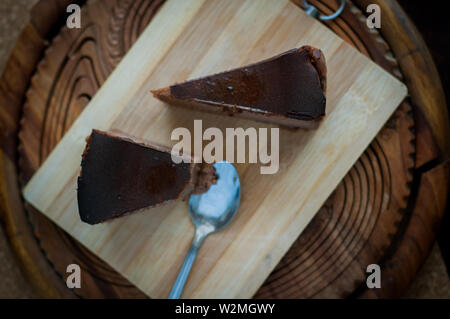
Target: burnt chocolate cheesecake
120 175
288 89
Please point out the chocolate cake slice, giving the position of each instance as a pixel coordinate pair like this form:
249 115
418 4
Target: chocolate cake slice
120 175
288 89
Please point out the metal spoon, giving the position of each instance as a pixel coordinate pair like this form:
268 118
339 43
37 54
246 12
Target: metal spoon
210 212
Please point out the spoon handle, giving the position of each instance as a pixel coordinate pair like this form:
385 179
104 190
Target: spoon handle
186 267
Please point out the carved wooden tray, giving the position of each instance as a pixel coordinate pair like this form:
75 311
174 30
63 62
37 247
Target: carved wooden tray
384 211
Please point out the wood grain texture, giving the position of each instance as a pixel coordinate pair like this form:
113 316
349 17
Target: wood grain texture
13 84
131 109
434 185
426 93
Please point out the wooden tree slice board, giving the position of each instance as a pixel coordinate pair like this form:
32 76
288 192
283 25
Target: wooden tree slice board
149 248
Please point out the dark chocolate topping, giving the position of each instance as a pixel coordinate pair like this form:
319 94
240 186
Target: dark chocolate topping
291 84
119 176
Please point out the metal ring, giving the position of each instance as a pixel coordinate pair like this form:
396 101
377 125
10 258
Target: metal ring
312 11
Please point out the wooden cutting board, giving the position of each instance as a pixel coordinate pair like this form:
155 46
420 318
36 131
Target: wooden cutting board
188 39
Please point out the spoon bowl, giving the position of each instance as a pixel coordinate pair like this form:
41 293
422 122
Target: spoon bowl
219 204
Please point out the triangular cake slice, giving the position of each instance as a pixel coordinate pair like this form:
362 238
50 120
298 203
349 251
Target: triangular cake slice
120 175
288 89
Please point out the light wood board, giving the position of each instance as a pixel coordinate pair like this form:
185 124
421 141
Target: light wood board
187 39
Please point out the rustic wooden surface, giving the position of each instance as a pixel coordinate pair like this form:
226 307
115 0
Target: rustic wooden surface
390 241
